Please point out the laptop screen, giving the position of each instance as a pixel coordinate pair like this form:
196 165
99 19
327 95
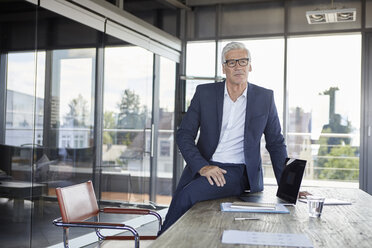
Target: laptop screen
290 181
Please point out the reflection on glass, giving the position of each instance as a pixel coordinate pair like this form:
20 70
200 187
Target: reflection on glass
72 96
324 105
21 112
200 59
127 124
66 154
165 132
23 129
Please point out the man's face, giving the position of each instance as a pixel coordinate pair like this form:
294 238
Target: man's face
237 74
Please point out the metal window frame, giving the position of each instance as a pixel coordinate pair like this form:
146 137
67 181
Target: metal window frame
3 95
365 170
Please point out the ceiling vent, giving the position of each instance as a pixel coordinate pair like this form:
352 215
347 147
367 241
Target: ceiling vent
331 16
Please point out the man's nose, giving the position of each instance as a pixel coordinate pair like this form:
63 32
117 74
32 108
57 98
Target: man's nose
238 67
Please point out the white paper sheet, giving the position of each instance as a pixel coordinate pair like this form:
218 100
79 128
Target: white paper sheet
280 209
264 238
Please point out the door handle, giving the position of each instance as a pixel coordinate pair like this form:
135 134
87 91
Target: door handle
152 130
152 139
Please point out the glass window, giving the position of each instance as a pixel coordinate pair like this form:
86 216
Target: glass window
201 58
127 123
324 83
72 96
21 91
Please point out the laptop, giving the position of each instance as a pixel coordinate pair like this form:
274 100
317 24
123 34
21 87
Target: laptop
289 185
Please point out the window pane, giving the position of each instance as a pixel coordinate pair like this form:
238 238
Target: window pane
201 59
324 83
72 97
21 90
127 124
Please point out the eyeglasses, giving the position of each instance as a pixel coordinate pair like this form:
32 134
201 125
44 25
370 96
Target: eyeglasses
232 62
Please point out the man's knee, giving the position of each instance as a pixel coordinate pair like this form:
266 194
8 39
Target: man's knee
186 196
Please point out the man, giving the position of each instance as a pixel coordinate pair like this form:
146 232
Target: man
231 116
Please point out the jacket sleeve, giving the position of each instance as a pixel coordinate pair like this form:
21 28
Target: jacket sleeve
275 143
187 133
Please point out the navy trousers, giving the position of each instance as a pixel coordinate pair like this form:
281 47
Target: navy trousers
191 190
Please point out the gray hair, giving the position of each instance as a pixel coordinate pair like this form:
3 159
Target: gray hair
234 46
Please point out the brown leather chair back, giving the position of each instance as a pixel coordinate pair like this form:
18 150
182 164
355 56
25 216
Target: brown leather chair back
77 202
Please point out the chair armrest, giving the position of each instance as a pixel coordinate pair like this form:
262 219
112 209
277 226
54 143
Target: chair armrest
102 225
111 210
139 211
87 224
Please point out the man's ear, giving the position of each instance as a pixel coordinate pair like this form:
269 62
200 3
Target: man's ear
223 69
249 67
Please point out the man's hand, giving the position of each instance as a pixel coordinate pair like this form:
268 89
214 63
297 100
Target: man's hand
215 173
303 194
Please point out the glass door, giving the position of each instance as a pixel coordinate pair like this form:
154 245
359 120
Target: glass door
127 134
165 132
68 128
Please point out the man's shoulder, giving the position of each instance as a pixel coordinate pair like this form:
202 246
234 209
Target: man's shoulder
209 86
259 89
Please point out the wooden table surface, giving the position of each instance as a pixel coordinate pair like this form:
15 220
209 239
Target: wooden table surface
339 226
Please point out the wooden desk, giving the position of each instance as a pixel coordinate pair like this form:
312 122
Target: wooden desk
340 226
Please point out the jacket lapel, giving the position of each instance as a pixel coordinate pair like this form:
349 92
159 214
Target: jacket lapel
219 103
247 112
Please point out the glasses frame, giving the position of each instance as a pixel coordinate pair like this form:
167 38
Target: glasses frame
236 61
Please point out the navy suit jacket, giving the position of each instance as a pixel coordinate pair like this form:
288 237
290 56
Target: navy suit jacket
205 112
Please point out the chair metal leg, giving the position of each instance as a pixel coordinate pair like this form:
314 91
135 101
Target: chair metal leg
65 237
158 217
128 228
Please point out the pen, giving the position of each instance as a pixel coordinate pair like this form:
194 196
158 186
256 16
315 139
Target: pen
238 218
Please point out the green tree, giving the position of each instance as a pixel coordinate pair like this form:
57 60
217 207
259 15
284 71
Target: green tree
129 110
335 152
108 123
342 164
130 116
78 115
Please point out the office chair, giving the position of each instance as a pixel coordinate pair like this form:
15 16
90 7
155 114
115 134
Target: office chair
78 203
